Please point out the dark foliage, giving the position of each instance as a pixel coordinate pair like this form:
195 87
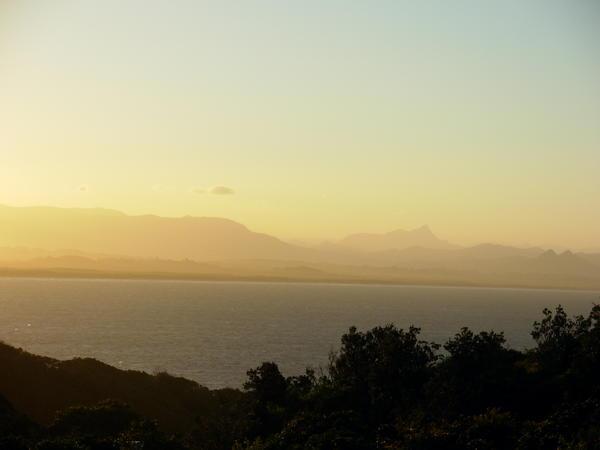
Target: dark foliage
385 389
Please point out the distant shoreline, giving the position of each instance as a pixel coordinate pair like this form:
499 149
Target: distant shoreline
161 276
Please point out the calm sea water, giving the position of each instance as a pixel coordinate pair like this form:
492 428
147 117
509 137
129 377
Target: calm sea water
213 332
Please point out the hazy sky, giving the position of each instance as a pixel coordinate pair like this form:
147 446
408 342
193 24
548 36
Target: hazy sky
310 119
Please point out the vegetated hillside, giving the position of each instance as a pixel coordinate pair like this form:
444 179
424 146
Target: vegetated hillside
40 387
12 421
384 389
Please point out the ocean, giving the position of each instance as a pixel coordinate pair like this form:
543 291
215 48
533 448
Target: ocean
213 332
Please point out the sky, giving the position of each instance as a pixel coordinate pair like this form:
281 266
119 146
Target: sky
310 119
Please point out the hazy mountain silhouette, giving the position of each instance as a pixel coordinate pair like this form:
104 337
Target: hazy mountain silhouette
112 244
395 240
454 255
563 263
112 232
593 258
499 251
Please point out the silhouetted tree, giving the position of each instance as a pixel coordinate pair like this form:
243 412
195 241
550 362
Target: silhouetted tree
382 369
479 372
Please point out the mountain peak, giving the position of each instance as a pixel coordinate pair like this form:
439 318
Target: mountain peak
395 240
550 253
424 229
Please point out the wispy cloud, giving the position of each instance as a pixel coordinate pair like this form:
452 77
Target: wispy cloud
221 190
215 190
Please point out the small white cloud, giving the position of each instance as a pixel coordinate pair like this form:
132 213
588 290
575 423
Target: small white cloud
221 190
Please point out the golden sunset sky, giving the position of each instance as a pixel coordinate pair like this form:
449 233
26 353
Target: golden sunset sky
310 119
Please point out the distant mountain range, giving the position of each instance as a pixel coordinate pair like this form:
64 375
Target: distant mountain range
111 232
99 242
395 240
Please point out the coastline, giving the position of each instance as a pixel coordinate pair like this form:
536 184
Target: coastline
76 274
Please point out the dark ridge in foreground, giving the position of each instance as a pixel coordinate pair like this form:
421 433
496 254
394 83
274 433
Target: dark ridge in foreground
384 389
